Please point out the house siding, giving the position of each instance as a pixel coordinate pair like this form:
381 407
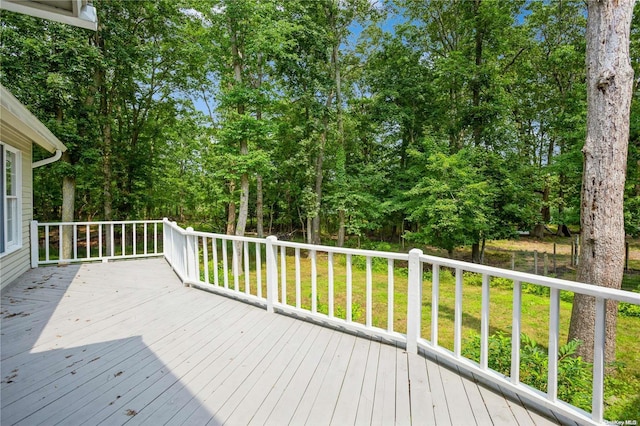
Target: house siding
15 263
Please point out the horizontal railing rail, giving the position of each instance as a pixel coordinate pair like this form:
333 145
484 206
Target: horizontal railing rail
67 242
381 294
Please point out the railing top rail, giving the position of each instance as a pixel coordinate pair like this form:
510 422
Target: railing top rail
183 231
304 246
99 222
582 288
227 237
343 250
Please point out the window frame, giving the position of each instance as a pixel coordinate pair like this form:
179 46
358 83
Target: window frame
9 246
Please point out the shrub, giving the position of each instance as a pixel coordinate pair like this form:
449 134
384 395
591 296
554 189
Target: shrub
629 309
538 290
499 282
574 385
473 279
622 394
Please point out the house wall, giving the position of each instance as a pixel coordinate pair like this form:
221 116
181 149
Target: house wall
14 264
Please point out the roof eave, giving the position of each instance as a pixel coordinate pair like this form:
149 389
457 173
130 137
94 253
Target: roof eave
83 15
13 113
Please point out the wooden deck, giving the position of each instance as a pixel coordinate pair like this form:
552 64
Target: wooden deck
125 342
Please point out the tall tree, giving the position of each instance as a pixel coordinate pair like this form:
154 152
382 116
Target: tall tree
632 200
550 107
60 61
609 85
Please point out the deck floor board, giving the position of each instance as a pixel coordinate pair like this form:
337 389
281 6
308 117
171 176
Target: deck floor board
127 343
367 394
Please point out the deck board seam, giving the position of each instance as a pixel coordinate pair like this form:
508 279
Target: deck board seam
170 375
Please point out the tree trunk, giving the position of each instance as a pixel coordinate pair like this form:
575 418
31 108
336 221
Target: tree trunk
243 213
107 201
105 99
341 229
609 84
538 231
242 218
259 193
341 166
231 210
315 223
68 200
546 210
477 85
475 252
107 145
68 207
259 207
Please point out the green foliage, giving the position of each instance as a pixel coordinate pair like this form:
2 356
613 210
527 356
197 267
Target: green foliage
452 202
339 311
378 264
499 282
574 375
632 215
464 123
621 394
629 309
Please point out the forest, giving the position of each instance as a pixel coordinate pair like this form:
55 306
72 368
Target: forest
441 123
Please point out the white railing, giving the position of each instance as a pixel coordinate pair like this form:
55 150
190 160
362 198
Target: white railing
65 242
548 399
270 273
337 286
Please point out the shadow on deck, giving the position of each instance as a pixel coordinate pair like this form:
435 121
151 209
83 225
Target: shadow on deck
125 342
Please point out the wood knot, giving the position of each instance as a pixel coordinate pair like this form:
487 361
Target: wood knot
605 79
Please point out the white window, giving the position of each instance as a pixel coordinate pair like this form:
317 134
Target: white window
11 189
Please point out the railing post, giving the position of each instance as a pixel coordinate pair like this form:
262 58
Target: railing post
166 229
599 343
191 269
34 244
435 301
272 272
180 244
515 332
484 322
112 248
554 332
414 300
